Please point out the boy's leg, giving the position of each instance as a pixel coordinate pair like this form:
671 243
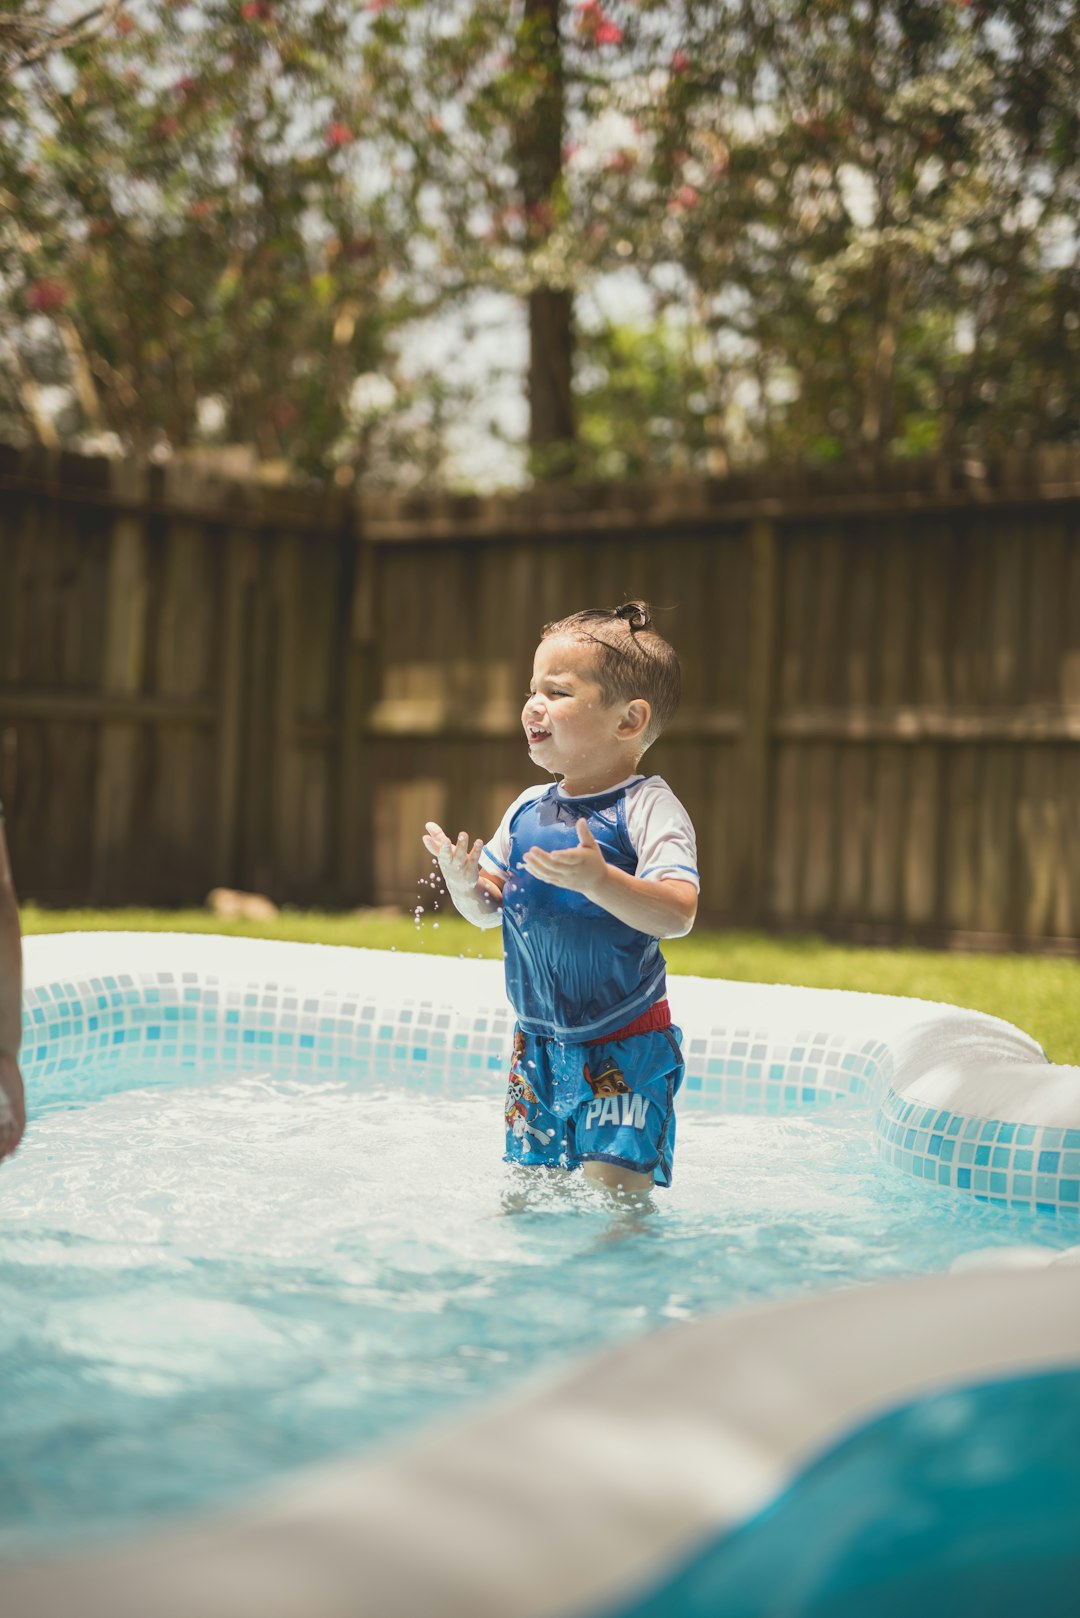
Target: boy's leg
616 1178
624 1125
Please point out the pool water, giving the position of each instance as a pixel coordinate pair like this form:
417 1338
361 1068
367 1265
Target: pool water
207 1281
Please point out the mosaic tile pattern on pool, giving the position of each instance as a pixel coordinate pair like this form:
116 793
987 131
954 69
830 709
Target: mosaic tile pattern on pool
1026 1165
186 1018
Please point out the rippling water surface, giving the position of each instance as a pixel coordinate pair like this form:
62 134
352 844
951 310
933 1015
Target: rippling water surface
204 1284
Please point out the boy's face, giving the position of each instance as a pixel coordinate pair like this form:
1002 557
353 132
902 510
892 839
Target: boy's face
569 728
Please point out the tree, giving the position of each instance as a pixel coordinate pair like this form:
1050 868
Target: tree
179 231
870 206
484 104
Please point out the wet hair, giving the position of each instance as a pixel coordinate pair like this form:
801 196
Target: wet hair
632 659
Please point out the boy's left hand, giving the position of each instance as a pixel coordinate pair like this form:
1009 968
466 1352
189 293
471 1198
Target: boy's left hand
582 870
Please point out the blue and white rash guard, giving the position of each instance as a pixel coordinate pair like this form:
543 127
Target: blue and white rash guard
574 971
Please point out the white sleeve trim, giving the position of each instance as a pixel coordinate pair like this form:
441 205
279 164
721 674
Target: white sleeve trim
662 833
496 851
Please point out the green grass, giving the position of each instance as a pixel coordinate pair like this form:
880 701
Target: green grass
1038 994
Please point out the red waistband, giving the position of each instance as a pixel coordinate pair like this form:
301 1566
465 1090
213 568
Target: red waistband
658 1016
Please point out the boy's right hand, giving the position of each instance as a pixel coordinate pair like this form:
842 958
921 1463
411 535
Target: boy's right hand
459 864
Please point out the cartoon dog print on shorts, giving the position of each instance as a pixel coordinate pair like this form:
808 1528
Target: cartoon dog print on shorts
608 1082
520 1095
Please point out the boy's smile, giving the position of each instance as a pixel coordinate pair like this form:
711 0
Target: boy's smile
571 731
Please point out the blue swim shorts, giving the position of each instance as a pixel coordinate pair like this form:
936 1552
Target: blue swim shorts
608 1103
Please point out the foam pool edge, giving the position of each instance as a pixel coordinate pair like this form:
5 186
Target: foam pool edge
575 1495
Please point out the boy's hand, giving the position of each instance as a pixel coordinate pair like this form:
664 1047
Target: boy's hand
582 870
459 864
12 1105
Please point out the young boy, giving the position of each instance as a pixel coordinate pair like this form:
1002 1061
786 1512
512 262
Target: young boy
586 876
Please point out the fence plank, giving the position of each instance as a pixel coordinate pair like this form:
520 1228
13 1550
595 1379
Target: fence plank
123 674
355 801
751 876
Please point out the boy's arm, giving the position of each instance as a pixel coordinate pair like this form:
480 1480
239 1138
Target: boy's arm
666 908
476 894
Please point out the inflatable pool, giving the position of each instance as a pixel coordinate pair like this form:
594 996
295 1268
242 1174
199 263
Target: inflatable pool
831 1452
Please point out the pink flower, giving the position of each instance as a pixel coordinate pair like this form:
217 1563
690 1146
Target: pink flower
124 23
595 27
684 199
541 213
46 295
680 62
338 135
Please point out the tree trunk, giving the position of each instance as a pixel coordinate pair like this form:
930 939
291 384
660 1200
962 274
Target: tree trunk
552 434
551 357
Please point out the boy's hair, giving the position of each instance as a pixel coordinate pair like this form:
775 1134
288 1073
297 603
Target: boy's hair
632 658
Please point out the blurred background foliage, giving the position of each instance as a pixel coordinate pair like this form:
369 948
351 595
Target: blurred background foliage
852 225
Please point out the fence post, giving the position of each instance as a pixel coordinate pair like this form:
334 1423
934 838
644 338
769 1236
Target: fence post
122 674
238 569
758 819
356 787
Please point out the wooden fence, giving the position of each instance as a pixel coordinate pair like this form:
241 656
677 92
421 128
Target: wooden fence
205 683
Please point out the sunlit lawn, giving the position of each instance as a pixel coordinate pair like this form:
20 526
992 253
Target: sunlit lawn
1038 994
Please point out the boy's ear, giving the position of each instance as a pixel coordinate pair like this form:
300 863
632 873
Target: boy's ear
635 719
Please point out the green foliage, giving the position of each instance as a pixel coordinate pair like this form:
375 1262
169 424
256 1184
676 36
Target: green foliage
642 399
177 227
871 209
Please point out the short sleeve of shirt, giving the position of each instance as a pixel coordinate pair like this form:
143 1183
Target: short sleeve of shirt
496 855
662 833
